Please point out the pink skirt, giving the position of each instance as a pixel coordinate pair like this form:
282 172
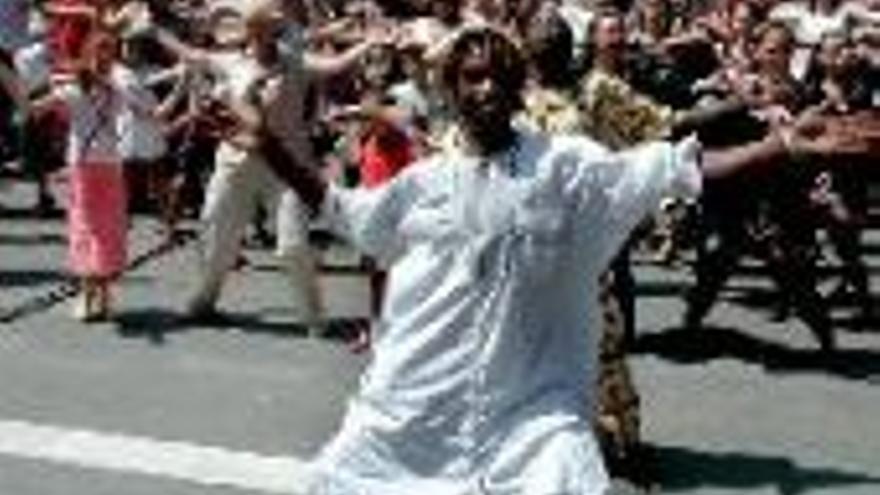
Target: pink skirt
97 220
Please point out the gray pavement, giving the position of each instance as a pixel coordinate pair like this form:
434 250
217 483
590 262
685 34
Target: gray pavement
742 407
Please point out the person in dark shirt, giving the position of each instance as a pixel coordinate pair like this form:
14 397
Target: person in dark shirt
774 216
838 85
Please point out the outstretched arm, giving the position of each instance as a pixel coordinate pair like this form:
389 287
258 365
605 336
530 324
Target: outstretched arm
817 138
184 52
324 66
698 118
724 163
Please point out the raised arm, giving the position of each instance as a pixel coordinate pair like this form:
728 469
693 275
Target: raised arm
325 66
183 51
339 29
162 76
717 164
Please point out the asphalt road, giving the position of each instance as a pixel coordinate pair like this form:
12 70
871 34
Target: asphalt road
150 404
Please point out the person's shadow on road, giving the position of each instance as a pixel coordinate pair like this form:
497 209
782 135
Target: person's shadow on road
156 324
682 469
31 240
693 346
30 278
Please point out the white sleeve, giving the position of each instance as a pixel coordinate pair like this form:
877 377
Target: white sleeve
622 188
369 218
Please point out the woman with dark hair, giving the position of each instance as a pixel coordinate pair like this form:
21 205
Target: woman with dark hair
71 21
97 207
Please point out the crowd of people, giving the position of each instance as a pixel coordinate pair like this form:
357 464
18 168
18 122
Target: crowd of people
561 124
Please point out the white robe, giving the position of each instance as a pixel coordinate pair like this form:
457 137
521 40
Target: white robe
485 361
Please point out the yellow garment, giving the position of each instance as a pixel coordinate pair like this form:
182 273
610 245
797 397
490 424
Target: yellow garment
552 111
618 116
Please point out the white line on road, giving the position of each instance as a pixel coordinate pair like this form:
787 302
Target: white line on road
139 455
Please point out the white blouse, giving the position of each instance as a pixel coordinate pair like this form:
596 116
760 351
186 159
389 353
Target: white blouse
485 360
94 122
140 131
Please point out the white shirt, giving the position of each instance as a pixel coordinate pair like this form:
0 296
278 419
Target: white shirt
140 133
485 359
93 136
236 73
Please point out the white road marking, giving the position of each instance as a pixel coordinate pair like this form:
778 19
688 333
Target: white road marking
139 455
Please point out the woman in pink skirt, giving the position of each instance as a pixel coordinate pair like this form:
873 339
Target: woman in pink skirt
97 215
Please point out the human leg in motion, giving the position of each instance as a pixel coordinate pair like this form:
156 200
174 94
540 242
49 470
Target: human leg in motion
299 260
228 206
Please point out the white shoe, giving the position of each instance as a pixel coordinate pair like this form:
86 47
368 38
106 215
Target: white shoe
80 309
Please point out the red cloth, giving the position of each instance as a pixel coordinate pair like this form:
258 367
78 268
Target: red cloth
97 220
67 35
385 151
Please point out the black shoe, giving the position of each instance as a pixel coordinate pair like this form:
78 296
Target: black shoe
692 320
827 341
865 316
781 313
46 208
841 295
200 310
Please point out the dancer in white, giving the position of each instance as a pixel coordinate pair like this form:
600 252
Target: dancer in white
479 376
241 179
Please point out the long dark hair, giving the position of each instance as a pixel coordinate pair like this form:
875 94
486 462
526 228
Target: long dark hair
507 60
97 38
549 48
